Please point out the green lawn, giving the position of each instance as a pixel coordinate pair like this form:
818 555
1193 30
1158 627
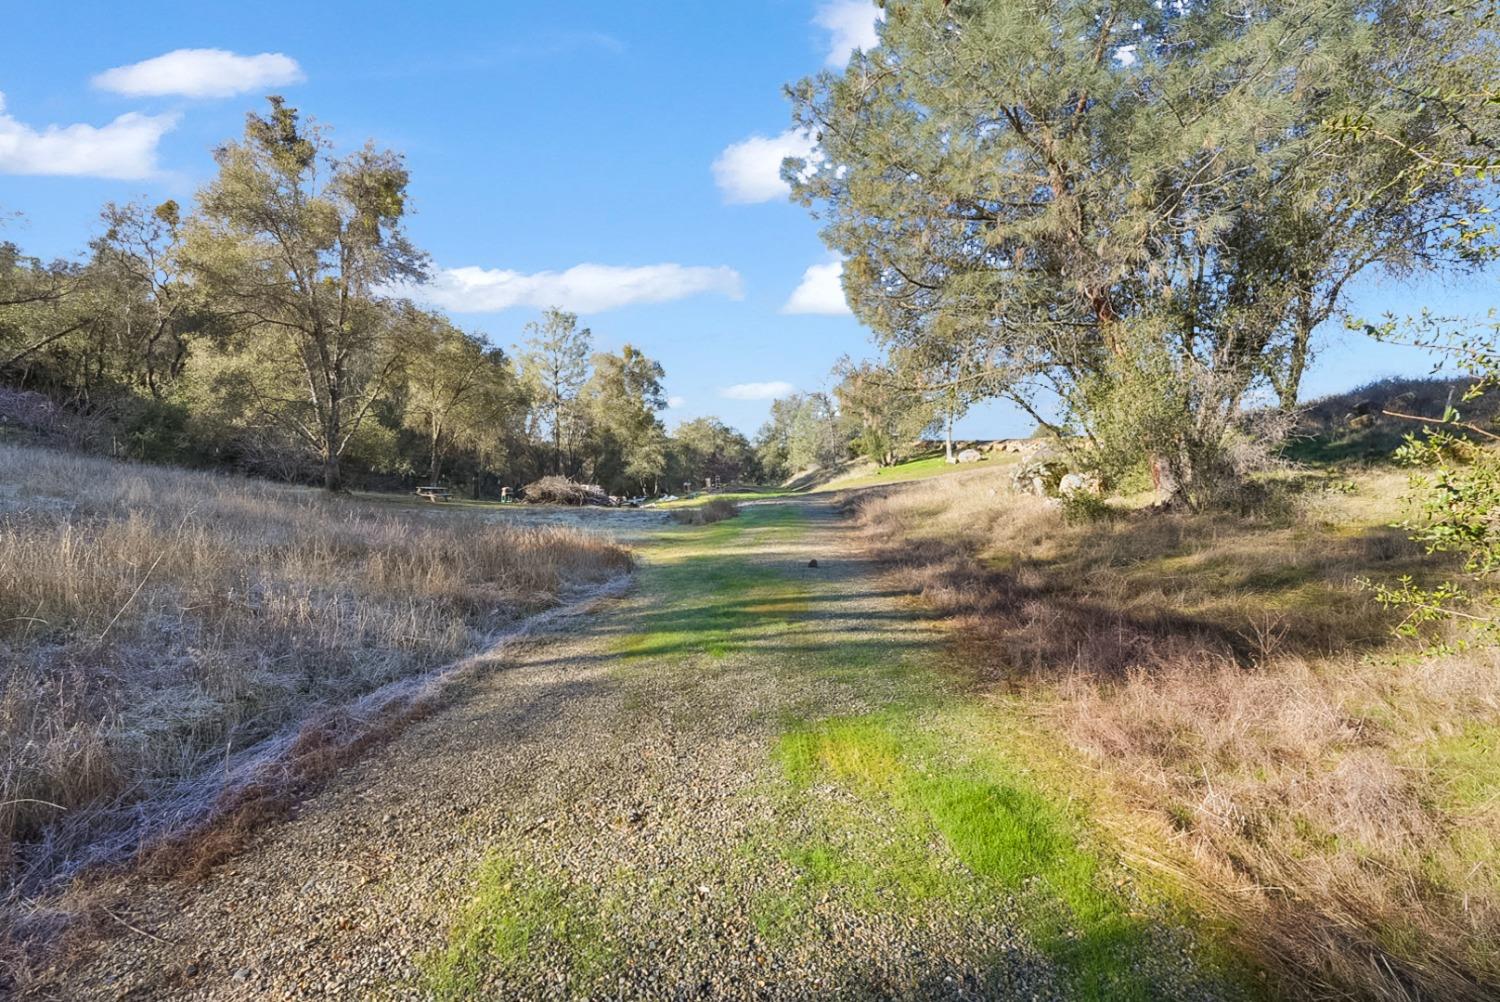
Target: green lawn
934 465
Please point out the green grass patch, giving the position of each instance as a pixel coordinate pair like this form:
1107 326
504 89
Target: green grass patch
1007 833
921 468
518 911
1468 765
707 598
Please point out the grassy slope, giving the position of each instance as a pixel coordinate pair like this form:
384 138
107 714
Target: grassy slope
1236 686
921 468
896 809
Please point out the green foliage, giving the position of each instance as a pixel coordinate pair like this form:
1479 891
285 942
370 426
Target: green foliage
1023 225
884 419
263 328
707 448
1455 497
628 444
554 367
292 242
803 431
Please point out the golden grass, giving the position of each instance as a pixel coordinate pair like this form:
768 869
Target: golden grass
152 621
715 510
1235 684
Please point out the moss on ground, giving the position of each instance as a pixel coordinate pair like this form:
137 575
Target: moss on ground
518 910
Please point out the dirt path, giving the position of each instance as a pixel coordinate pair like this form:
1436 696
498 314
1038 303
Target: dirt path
650 804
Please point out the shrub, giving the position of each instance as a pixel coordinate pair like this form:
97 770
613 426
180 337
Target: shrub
714 511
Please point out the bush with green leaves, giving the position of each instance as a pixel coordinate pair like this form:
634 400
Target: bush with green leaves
1454 504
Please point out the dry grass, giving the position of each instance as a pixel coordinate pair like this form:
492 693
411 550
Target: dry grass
716 510
1233 682
154 621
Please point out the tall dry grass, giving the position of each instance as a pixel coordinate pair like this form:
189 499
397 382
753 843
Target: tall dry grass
153 621
1233 682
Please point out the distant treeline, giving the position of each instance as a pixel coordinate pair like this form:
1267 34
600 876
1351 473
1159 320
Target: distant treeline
265 330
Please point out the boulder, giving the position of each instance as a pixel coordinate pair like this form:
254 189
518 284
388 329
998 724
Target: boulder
970 456
1038 474
1079 483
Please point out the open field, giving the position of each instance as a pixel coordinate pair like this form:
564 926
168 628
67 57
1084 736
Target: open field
863 474
748 778
864 778
624 525
154 622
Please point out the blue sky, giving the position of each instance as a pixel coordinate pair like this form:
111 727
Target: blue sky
618 158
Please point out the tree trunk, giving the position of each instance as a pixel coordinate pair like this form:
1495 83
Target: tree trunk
332 476
1288 388
948 438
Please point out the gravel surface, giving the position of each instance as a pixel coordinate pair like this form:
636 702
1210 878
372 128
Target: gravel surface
630 791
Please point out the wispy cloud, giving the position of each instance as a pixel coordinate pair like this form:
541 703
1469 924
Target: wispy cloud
586 288
674 403
125 148
750 170
758 391
850 25
821 291
201 73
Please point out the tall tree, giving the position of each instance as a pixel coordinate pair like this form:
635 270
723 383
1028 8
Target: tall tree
554 365
623 397
885 419
446 371
802 432
39 307
1064 193
295 244
154 310
707 448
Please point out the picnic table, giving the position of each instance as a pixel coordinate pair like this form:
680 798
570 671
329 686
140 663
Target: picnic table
434 493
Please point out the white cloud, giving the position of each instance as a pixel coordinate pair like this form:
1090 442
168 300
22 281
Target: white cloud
821 291
201 73
673 403
586 288
1125 55
125 148
750 171
757 391
851 25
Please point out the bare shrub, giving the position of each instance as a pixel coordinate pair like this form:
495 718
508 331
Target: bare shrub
152 621
716 510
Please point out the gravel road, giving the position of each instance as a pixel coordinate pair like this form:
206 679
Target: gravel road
634 789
